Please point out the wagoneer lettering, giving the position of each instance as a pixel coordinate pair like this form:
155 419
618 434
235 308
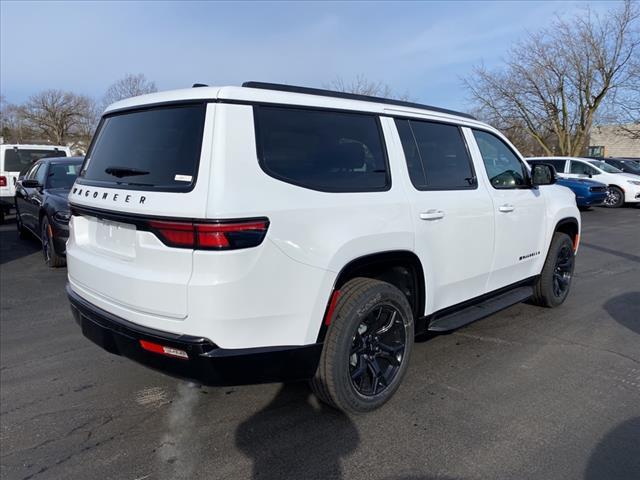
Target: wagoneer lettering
301 234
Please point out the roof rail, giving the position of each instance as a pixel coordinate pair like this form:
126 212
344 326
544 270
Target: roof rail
350 96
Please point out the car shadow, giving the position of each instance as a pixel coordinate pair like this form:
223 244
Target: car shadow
11 247
625 309
294 438
617 455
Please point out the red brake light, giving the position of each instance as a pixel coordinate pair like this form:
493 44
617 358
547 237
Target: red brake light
211 236
175 234
3 181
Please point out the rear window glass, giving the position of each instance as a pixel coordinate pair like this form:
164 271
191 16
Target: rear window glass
62 175
157 149
436 154
19 160
322 150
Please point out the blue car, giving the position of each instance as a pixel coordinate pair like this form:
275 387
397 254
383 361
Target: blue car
588 192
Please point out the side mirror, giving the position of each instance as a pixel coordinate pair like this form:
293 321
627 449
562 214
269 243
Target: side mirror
31 183
543 174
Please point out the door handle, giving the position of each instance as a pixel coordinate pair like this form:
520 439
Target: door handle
506 208
432 215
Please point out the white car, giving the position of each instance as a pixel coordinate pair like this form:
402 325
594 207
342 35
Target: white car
17 158
233 235
623 187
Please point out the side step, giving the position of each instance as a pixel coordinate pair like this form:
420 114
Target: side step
457 319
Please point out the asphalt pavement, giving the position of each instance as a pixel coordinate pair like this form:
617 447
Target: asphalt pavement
528 393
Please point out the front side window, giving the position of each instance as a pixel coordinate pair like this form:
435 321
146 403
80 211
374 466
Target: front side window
31 171
322 150
152 149
580 168
39 175
503 167
436 155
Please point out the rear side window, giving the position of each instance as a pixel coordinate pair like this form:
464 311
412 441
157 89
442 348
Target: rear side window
153 149
437 155
18 160
322 150
582 169
557 164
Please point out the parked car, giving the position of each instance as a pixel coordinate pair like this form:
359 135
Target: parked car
589 193
42 208
271 233
623 164
623 187
16 158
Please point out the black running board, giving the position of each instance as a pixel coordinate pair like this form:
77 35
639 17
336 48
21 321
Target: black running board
459 318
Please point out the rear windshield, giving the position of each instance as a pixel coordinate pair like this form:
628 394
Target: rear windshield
62 175
157 149
19 160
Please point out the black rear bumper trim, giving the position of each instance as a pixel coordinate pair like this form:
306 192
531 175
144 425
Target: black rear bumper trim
208 364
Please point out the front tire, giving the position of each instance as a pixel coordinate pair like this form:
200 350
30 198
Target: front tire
553 286
367 348
51 258
615 197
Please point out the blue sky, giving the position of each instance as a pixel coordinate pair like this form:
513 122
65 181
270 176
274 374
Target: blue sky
419 48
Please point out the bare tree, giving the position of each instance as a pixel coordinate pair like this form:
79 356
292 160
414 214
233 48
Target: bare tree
128 86
555 81
362 86
56 116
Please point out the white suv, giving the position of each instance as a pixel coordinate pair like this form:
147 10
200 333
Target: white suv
623 187
16 159
269 233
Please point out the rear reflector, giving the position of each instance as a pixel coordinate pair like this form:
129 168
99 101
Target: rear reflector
3 181
332 307
164 350
211 236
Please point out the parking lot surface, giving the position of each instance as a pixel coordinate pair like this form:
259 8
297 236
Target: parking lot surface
528 393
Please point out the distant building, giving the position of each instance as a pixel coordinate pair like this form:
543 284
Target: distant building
615 141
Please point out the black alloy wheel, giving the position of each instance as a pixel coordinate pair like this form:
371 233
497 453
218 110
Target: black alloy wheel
563 270
377 350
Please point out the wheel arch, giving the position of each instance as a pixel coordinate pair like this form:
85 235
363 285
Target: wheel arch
401 268
571 227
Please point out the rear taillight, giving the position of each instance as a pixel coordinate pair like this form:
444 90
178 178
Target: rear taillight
223 235
164 350
3 181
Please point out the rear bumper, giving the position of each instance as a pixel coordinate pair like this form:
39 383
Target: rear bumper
207 363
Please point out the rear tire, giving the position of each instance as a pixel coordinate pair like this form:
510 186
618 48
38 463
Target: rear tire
367 348
51 258
553 286
615 197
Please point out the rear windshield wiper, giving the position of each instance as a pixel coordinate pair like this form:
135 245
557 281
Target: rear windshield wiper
125 171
